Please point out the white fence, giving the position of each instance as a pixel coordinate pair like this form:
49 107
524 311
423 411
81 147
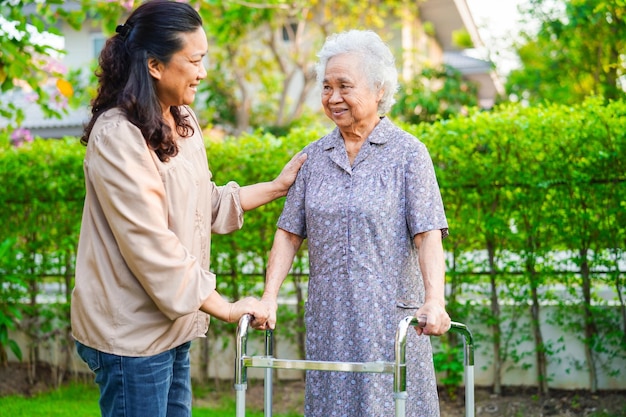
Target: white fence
567 369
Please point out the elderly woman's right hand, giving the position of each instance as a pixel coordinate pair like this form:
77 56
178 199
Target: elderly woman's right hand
435 318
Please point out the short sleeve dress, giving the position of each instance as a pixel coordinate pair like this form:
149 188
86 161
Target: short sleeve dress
359 222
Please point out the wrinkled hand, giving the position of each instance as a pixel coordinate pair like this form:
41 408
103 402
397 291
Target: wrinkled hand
249 305
270 322
289 172
437 319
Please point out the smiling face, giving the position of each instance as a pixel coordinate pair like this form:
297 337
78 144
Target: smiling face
347 97
177 81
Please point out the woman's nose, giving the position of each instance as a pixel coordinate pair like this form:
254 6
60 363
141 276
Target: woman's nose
335 96
203 72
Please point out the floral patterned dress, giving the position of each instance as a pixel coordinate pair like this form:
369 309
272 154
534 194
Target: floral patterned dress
359 222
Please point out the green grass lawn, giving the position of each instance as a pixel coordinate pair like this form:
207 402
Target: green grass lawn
80 400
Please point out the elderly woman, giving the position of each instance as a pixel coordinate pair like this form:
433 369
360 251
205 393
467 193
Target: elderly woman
369 204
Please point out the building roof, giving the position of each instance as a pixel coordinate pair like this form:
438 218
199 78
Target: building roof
466 64
447 17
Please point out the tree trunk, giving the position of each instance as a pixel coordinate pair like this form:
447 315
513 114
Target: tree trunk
495 327
32 324
619 291
589 325
243 109
67 341
542 363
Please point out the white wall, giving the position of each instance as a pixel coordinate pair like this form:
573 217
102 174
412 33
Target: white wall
80 46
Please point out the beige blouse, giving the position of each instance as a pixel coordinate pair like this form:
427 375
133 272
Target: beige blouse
142 268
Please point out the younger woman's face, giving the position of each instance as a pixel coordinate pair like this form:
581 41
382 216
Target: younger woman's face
177 81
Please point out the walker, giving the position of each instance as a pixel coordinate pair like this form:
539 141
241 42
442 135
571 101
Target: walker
397 368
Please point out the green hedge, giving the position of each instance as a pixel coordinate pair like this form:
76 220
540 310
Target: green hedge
535 197
540 193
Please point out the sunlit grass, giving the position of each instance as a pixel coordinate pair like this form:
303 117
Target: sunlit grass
69 401
81 400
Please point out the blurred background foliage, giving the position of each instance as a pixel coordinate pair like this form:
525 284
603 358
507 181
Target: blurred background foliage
574 49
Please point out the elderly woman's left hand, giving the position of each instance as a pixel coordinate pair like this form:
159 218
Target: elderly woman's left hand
437 319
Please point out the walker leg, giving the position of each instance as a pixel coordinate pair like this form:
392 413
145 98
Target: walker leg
468 362
268 392
468 359
400 365
240 370
269 352
400 394
400 400
469 391
240 400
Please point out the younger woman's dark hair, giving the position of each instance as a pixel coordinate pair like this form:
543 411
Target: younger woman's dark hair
153 30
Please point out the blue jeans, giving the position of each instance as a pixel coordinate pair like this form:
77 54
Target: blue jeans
155 386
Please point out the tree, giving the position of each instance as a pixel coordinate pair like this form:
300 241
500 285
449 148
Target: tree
266 51
32 65
25 60
261 57
576 52
436 94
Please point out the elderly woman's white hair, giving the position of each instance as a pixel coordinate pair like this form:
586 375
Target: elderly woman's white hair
374 56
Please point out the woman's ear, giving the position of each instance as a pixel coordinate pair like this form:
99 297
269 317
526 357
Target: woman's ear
381 92
155 68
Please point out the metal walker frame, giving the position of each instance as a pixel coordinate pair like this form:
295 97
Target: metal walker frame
397 368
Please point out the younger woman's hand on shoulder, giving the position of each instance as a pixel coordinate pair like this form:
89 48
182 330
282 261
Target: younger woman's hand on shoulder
289 172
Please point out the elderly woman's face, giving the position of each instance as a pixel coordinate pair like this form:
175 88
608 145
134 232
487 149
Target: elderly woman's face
347 97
